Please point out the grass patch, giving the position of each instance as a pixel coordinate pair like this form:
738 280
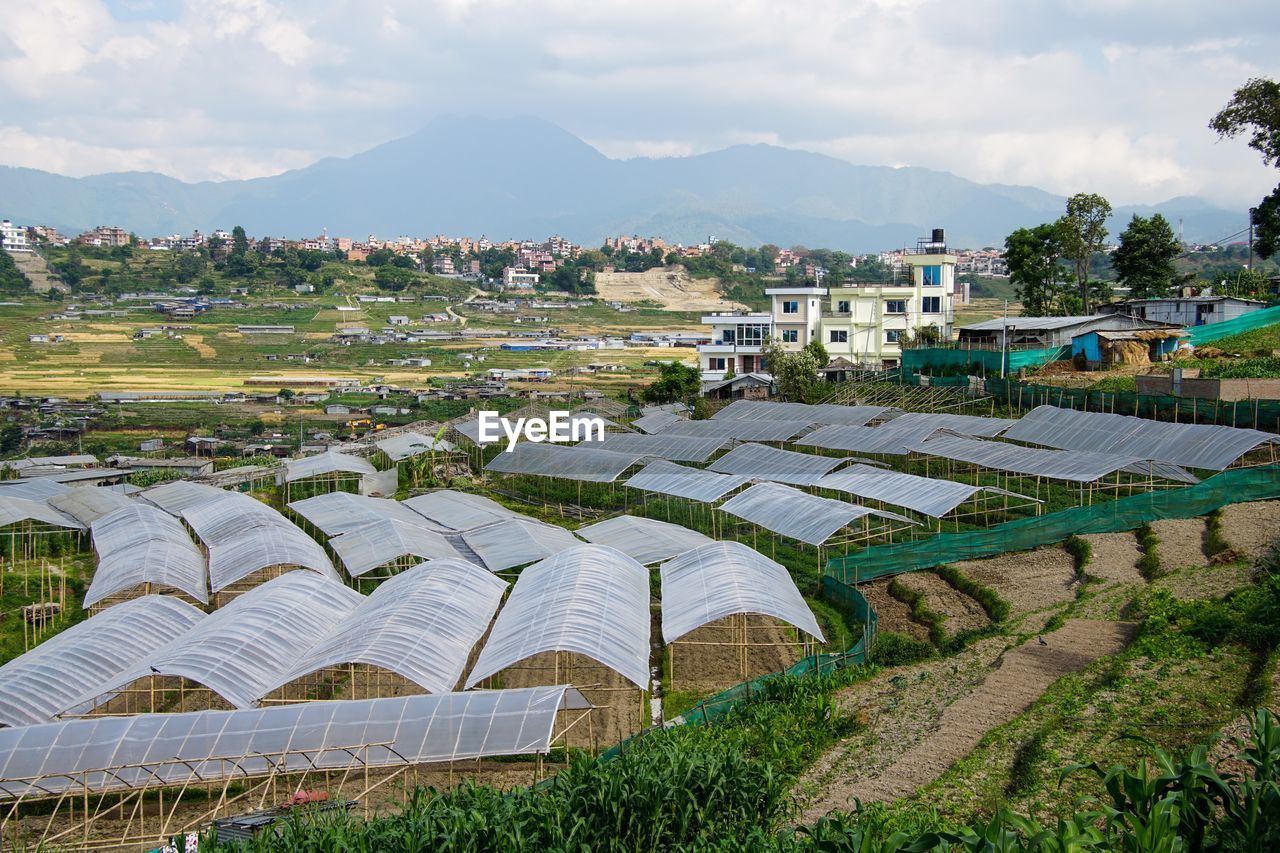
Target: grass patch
1215 543
1149 564
997 608
1024 773
920 611
1081 553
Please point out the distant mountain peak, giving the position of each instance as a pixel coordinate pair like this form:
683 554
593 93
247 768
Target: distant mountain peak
524 176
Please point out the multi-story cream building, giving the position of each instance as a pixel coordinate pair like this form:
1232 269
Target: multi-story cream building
862 322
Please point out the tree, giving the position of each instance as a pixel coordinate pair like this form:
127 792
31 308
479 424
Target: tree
794 373
1144 261
1255 109
819 353
1083 231
10 437
676 382
393 278
1034 258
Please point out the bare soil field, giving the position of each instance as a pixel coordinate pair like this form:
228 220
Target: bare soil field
672 287
1181 542
709 660
1021 676
892 614
962 612
1114 557
1028 580
1250 528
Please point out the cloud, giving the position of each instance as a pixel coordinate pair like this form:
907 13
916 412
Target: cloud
1068 95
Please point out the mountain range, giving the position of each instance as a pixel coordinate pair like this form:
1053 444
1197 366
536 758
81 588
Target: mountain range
527 178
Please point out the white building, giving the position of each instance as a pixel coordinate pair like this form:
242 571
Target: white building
514 278
862 322
736 341
13 238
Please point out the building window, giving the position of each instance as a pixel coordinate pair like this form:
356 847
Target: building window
728 337
932 276
791 306
790 336
842 307
891 336
895 306
932 304
839 336
752 336
715 364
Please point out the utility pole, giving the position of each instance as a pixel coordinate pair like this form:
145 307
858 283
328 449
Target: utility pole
1004 337
1252 212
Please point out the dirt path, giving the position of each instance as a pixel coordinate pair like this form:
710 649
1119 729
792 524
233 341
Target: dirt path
891 614
1181 543
961 611
1028 580
1022 675
1250 528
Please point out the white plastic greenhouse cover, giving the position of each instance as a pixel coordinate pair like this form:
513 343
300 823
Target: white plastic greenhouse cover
139 544
458 511
87 504
668 478
725 578
516 541
590 599
925 495
797 514
407 445
926 423
656 422
14 510
760 462
677 448
580 462
1076 466
178 495
366 548
645 540
35 489
859 439
158 562
242 648
741 429
329 462
244 535
824 413
44 682
335 513
174 749
421 624
1208 446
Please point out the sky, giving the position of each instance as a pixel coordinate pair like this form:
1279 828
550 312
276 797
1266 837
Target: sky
1109 96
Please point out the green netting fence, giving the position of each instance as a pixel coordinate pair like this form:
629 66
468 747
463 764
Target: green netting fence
1237 485
1255 414
1209 332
